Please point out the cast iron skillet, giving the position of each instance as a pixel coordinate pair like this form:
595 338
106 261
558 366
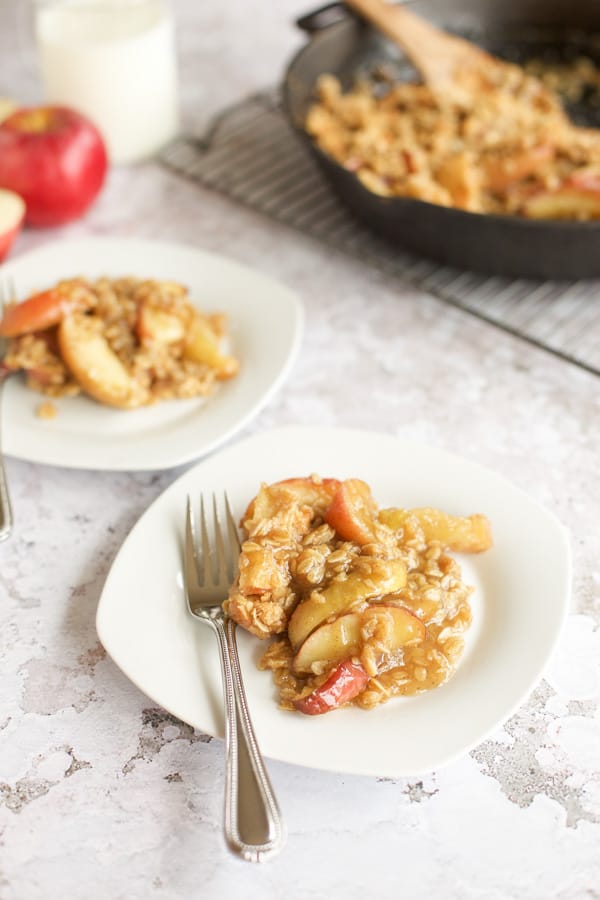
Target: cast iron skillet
499 245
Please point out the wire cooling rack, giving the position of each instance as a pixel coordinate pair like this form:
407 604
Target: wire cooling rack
251 154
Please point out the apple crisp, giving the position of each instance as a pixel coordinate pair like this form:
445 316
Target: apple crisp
508 149
126 342
365 603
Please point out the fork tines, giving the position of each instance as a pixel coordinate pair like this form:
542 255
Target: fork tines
216 552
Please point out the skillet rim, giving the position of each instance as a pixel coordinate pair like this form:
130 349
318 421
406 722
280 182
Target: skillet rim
406 203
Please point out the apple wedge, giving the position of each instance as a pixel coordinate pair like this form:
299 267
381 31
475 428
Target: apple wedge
43 310
567 202
347 680
155 325
461 534
344 637
578 197
272 498
98 370
353 512
501 172
202 346
341 596
260 572
329 644
12 216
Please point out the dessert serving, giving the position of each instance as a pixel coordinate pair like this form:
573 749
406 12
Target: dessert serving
126 342
505 146
365 603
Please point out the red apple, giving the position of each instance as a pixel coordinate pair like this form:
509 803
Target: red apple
55 159
12 214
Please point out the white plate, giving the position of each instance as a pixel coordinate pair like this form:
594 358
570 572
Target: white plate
265 323
522 594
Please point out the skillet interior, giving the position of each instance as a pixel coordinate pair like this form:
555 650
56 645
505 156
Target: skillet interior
499 245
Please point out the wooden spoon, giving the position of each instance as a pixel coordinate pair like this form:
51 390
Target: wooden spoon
448 64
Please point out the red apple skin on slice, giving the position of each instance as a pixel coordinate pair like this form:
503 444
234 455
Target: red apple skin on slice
12 216
346 682
353 511
43 310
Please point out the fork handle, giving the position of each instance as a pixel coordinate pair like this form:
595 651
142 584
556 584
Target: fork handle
253 824
6 518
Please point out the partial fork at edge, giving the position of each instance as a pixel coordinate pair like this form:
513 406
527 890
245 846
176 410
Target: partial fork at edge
7 295
253 824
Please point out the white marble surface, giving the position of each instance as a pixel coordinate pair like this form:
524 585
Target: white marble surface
105 796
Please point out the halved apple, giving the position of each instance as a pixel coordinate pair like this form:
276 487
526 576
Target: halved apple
341 596
98 370
461 534
353 512
12 216
347 680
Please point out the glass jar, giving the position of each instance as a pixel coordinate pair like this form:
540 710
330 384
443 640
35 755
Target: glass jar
115 62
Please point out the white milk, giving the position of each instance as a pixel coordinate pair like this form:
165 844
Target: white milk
114 61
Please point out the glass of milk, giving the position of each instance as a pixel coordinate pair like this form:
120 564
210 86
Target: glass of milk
115 62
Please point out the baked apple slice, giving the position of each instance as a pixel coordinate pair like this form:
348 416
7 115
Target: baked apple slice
156 325
203 346
98 370
578 197
461 534
329 644
344 637
272 499
353 512
503 171
41 311
388 577
346 682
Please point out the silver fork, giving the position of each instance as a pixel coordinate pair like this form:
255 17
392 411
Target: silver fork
7 294
253 824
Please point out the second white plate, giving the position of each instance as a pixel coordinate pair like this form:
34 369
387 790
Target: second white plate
265 323
521 598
